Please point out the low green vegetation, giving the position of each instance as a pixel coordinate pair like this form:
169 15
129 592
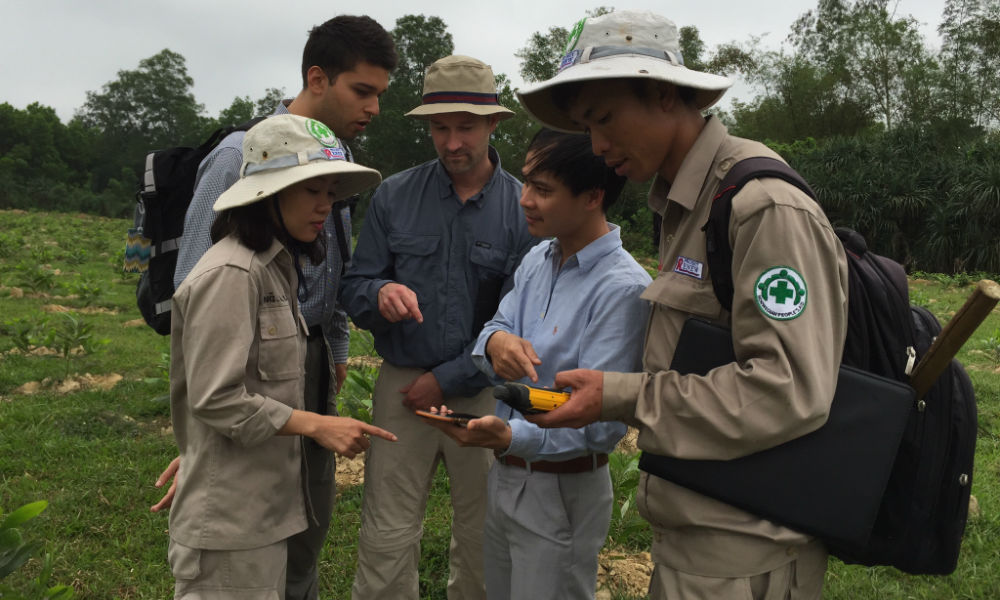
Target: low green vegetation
91 445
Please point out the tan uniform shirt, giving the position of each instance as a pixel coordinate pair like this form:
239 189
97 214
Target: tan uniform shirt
783 381
236 372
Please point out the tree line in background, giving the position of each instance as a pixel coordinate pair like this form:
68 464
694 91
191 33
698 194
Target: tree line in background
899 139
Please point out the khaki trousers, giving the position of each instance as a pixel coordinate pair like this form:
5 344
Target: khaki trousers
800 579
254 574
398 477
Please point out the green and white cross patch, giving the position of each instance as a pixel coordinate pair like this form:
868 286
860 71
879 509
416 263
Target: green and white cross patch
780 293
322 133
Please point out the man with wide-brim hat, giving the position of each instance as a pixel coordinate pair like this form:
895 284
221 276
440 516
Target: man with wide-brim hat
439 246
623 81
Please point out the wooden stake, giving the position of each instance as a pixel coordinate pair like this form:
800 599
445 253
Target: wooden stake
955 333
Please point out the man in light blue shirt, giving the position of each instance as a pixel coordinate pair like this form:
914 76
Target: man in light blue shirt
575 302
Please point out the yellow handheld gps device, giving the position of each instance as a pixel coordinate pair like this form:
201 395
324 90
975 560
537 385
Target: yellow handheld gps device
528 399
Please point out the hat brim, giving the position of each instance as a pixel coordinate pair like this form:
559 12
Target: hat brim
352 179
537 98
426 111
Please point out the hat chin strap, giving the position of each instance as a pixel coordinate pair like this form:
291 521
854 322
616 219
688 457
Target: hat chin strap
293 246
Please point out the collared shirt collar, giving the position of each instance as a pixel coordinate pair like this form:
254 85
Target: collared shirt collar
444 180
273 252
592 253
686 187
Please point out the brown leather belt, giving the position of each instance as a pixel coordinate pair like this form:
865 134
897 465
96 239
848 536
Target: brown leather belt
580 464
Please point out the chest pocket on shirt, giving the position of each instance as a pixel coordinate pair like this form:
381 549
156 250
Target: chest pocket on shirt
278 357
411 252
492 262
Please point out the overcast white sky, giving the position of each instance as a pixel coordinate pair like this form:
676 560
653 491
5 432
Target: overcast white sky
54 51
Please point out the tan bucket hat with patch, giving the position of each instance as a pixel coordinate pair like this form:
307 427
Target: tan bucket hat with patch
625 44
459 84
285 149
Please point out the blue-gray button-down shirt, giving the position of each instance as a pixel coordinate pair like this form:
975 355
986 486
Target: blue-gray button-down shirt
221 169
457 257
585 314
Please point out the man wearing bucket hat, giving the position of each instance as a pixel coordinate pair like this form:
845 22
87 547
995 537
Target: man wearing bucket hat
438 248
623 81
345 67
237 355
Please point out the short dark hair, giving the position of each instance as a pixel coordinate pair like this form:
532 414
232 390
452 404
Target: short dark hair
345 40
569 158
255 228
642 88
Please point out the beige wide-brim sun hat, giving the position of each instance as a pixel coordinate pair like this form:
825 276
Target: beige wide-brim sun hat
459 84
625 44
285 149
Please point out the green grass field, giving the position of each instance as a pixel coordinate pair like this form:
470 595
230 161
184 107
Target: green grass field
93 453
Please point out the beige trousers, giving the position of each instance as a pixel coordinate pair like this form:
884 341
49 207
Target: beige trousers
254 574
398 477
800 579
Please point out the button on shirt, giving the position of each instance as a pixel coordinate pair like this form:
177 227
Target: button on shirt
457 257
585 314
216 173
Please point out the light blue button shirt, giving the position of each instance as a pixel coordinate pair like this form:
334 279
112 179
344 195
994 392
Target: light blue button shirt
585 314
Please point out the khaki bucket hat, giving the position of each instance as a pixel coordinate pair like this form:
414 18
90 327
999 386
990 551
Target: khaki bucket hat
626 44
285 149
459 84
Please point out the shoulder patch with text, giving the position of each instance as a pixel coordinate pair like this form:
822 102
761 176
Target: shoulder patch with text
689 266
780 293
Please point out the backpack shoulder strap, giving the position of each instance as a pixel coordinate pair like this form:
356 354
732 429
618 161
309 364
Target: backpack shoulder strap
720 254
342 241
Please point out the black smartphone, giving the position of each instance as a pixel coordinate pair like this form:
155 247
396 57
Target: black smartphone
456 419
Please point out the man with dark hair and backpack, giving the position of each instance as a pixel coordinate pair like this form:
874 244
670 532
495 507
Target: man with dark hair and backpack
345 68
623 82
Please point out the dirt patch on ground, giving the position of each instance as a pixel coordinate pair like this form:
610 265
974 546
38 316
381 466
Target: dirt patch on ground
623 573
134 323
87 310
628 444
350 471
37 351
74 383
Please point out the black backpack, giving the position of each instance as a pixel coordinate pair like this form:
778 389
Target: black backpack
161 202
923 512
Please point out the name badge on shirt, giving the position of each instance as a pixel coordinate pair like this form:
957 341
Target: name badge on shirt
689 266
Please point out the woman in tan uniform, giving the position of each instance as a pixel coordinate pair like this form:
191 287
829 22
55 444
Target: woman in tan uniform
237 365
